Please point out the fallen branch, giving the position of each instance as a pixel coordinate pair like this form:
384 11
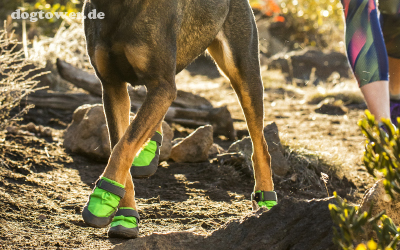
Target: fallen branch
92 84
220 118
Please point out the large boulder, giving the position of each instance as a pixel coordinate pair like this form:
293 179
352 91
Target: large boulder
88 134
195 147
279 163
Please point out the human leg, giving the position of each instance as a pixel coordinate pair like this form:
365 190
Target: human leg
366 54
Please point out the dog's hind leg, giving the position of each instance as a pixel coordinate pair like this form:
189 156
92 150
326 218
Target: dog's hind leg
235 50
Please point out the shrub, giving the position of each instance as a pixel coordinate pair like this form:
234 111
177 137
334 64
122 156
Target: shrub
351 226
382 153
15 80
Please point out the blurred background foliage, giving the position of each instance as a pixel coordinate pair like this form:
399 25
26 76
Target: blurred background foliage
296 23
46 27
300 23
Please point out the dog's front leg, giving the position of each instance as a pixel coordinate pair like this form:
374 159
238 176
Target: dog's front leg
116 180
158 99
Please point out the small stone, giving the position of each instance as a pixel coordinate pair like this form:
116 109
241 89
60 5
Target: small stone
31 127
47 132
293 178
12 130
42 217
39 129
195 147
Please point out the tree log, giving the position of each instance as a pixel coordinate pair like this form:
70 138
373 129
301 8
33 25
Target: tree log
92 84
220 118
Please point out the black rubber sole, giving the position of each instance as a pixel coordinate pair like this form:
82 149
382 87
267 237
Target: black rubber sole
145 171
123 232
94 221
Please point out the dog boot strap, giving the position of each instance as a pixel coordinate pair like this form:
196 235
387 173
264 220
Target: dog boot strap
264 196
128 213
103 184
157 137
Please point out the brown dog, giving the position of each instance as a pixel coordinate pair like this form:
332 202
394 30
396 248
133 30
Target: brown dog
144 42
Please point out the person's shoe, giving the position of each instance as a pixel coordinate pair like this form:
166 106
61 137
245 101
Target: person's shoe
394 111
125 224
264 199
146 163
103 203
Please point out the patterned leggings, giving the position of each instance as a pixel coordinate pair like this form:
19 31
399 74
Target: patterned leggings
366 37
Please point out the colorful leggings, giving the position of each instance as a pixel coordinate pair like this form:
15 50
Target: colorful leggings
366 50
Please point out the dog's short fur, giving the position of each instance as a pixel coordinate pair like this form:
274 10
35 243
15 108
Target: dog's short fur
147 42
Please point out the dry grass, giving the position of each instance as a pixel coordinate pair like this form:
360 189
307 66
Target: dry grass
68 44
308 165
15 79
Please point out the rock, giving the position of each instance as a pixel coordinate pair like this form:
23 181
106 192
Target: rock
291 224
39 129
269 44
215 149
88 134
12 130
195 147
331 107
31 127
279 164
177 140
382 201
300 64
42 217
168 135
47 132
222 122
244 147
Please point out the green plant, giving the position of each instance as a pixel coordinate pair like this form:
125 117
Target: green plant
45 26
382 152
316 23
351 224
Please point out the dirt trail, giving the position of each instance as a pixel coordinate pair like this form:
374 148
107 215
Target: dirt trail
43 188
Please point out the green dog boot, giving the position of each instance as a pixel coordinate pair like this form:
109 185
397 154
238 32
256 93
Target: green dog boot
125 224
146 163
266 199
103 203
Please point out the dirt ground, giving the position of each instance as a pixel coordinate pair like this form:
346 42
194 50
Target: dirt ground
43 188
